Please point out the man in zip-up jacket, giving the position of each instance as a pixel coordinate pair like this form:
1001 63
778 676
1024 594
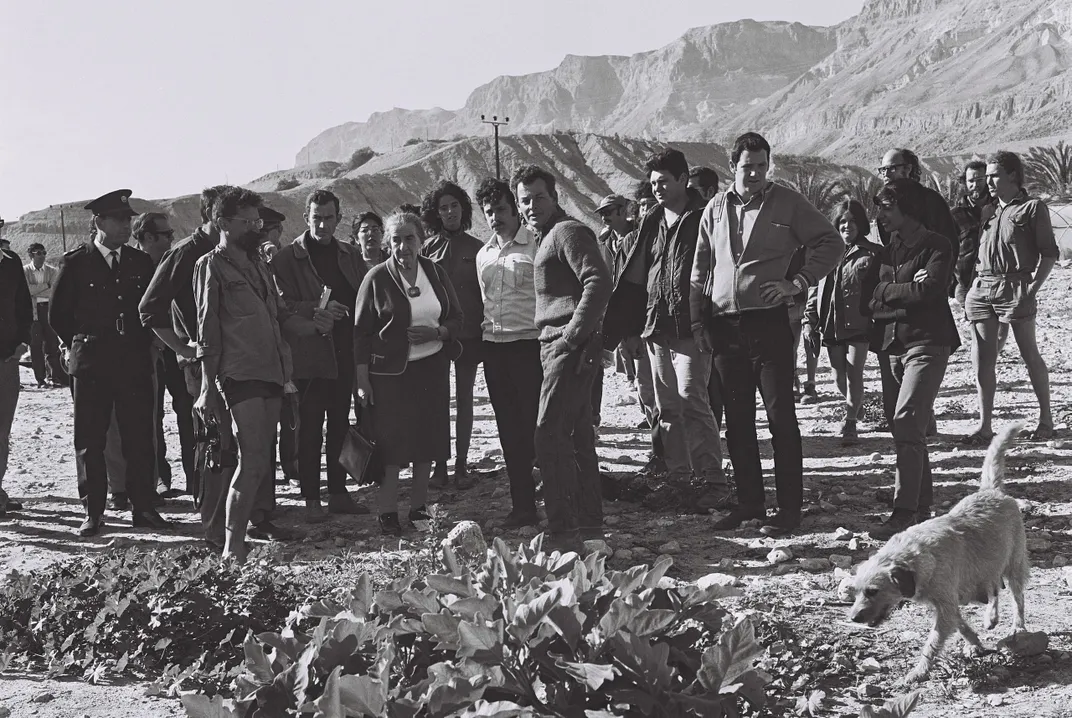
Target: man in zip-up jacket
324 364
572 287
663 255
739 299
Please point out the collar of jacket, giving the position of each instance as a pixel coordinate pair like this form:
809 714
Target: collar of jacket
559 216
651 221
427 264
301 246
911 232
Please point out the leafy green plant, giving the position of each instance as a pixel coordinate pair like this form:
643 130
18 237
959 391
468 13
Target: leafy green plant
170 613
821 191
1049 169
895 708
526 633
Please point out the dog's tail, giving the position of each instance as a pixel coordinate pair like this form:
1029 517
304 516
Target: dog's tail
994 464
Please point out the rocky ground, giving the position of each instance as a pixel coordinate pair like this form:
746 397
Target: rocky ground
814 651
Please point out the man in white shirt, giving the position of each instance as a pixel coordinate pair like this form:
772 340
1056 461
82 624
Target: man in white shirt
512 364
44 344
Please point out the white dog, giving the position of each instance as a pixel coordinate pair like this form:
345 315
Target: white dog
966 556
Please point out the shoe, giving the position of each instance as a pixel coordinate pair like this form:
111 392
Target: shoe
172 493
1041 433
119 502
591 533
344 504
736 517
91 526
809 395
150 520
924 514
439 478
314 512
267 531
419 513
515 520
464 478
976 438
898 521
10 505
849 434
563 543
782 524
389 525
715 496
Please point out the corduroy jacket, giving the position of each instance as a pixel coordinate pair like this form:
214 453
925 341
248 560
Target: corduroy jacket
382 318
301 287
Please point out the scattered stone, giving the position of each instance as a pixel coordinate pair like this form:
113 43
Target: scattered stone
868 690
43 698
756 543
665 522
834 499
670 547
827 506
528 531
840 560
1025 643
996 700
854 544
870 665
779 555
642 553
844 498
493 524
843 534
814 564
597 546
466 538
1038 545
500 492
612 520
875 457
623 554
1046 535
718 579
1059 561
4 712
726 564
782 569
844 589
884 496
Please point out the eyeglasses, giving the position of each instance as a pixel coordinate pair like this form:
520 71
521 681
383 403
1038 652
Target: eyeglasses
254 223
890 169
37 254
170 234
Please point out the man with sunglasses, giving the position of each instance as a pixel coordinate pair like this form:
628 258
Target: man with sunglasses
934 214
44 344
94 311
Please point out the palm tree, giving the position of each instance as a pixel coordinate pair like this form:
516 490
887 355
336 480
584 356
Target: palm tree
823 193
1049 169
863 190
949 186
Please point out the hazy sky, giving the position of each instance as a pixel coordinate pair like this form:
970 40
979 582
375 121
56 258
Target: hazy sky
168 96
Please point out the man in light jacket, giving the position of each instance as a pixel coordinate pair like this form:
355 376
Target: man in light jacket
739 298
44 344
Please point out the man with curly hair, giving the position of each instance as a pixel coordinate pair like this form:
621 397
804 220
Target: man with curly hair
447 212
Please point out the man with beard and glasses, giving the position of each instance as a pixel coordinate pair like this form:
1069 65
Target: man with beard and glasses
246 364
447 213
573 285
95 313
314 264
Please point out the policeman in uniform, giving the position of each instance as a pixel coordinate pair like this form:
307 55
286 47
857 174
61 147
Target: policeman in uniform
95 313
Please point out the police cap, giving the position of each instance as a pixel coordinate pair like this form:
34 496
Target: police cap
113 204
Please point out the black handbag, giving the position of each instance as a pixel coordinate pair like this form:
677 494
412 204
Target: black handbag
356 454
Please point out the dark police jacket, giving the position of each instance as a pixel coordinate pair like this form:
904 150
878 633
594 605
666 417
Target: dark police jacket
95 313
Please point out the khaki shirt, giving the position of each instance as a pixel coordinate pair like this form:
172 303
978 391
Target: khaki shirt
1016 237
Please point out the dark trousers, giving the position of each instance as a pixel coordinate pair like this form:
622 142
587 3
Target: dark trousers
171 380
514 374
317 399
45 348
565 442
891 370
753 350
597 397
922 371
130 394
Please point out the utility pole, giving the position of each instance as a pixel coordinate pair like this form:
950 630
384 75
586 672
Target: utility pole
495 122
63 229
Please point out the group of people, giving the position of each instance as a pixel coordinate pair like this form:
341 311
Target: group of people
700 296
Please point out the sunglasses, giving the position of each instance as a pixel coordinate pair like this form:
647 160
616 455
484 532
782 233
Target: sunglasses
890 169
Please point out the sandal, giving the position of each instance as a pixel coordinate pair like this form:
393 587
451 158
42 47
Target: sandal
976 438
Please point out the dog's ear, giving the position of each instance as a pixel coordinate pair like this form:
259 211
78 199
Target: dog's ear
905 580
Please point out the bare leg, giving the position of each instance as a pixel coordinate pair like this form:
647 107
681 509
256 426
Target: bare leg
255 421
984 360
838 354
1024 333
857 360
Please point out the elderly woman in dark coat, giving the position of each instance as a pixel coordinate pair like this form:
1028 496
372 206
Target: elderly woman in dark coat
406 326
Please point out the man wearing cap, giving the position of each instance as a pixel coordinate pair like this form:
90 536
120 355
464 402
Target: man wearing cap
168 309
273 233
16 317
95 313
44 344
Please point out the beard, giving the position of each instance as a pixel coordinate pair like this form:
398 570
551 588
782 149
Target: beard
249 241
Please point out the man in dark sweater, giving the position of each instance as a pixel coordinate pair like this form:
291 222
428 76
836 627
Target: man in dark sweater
573 285
323 365
16 317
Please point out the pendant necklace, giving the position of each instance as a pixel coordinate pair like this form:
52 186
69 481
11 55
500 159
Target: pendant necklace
412 290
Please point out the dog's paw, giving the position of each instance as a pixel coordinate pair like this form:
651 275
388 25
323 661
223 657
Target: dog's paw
916 675
970 651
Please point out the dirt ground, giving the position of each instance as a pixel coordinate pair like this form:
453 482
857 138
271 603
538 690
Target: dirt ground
812 645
